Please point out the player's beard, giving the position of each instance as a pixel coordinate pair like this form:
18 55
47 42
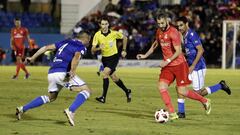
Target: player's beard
164 28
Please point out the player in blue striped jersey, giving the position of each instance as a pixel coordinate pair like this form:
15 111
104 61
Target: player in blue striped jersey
197 65
62 73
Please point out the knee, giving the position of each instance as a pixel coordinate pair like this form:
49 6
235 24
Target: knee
115 79
105 75
51 99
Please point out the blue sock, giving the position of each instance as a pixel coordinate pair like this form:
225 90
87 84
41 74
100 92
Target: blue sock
36 102
214 88
101 68
181 106
80 99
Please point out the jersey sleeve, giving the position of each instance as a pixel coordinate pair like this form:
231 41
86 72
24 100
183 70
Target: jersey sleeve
118 35
81 48
95 40
195 39
176 38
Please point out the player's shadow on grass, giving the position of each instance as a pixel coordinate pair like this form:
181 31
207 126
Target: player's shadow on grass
30 118
128 113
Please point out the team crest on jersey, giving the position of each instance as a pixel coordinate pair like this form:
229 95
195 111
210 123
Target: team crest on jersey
165 36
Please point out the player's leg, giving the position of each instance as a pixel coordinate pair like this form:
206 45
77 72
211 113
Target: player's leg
100 65
197 85
53 89
106 73
83 90
220 86
22 65
165 79
182 83
181 105
18 65
120 84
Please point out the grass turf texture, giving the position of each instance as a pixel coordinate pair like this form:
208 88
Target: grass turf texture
116 116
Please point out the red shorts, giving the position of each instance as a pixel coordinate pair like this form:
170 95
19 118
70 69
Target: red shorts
19 52
179 72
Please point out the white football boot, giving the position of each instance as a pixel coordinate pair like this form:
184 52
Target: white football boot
70 116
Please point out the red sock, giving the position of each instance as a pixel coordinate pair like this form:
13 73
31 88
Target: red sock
18 66
193 95
24 68
167 100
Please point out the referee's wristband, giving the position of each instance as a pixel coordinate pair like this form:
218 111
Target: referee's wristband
168 60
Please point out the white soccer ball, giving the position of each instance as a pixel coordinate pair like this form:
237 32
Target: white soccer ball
161 116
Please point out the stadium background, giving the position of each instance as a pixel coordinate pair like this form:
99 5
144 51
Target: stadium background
52 20
116 116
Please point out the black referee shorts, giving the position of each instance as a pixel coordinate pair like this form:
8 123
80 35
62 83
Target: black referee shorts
111 62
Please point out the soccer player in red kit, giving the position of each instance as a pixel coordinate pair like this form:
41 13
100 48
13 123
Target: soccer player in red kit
173 66
18 35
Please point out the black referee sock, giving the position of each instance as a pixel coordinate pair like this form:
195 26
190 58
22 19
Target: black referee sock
105 86
121 85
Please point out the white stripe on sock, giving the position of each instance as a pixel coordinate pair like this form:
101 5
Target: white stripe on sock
45 99
208 90
85 93
180 100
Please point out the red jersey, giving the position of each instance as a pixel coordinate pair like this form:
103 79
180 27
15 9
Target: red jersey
168 39
19 35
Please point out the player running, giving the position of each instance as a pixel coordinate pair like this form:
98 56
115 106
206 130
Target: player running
197 66
105 40
174 65
18 36
62 73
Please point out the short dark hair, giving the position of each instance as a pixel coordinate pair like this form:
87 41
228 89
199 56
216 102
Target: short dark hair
17 19
162 15
183 19
82 34
106 18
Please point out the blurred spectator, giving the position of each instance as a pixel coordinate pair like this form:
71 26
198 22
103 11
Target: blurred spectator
25 5
53 7
136 20
3 5
110 7
2 56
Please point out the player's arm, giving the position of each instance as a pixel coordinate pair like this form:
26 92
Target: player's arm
95 48
74 64
95 45
176 42
200 51
11 41
149 52
124 52
28 37
40 51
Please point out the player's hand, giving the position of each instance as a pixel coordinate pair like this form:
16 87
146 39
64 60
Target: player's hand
124 53
191 69
71 74
163 63
141 56
28 60
101 46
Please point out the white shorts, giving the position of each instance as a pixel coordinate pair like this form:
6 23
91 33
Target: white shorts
56 81
198 79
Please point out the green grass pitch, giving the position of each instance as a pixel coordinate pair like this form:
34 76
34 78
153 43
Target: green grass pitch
116 117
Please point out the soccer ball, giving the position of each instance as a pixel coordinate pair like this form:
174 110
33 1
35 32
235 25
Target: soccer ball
161 116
